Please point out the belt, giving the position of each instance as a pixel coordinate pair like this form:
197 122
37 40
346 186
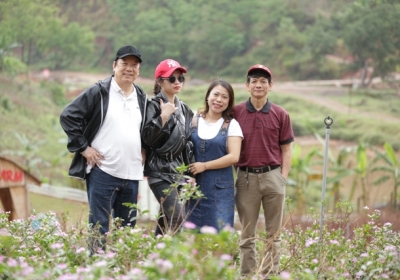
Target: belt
262 169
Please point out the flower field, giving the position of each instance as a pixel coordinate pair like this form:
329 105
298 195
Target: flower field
39 248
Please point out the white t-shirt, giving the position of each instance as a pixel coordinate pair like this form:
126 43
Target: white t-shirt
207 130
118 140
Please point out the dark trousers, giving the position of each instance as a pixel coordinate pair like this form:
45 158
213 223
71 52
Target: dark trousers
172 212
106 195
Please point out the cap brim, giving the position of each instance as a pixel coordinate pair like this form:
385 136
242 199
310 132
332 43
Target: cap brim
170 71
128 54
259 69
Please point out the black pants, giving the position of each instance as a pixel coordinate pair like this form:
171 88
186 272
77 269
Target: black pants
172 213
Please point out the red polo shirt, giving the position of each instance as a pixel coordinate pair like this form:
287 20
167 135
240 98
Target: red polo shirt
264 131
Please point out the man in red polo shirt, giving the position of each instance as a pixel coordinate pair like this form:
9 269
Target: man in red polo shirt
263 169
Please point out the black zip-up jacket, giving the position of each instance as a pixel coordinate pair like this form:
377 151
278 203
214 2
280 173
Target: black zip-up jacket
168 147
82 118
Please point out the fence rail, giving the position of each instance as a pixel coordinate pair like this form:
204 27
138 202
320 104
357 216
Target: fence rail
146 199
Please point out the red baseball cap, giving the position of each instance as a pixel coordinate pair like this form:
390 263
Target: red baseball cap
260 67
166 67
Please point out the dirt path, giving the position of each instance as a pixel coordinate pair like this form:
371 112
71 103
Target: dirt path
321 96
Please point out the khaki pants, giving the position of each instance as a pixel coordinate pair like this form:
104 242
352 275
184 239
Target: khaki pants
267 189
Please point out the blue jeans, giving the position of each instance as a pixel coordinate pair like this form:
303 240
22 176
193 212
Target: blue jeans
106 194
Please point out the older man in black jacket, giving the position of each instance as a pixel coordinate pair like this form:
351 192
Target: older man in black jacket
104 125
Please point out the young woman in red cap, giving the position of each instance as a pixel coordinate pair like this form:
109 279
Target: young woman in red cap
167 137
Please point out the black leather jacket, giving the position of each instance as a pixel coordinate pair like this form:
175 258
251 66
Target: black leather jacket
167 147
82 118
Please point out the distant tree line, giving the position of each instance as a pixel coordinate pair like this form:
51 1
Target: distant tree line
211 38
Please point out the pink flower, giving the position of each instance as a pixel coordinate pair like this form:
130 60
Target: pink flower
4 232
225 257
136 271
12 263
285 275
110 255
62 266
80 250
57 245
189 225
309 242
101 263
208 230
164 265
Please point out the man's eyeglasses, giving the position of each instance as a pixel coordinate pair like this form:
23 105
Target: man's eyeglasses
172 79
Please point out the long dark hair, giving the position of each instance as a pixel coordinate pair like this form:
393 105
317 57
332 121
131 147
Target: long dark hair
227 114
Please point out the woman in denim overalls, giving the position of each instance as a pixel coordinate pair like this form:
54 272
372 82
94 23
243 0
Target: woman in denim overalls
217 139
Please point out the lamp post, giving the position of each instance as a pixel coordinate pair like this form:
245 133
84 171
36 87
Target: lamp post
328 122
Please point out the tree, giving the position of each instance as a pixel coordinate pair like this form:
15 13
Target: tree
67 44
370 30
34 24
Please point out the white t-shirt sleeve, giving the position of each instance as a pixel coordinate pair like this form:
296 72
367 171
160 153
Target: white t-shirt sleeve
235 129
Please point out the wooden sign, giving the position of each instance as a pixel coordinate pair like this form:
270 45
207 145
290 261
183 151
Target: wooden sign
13 189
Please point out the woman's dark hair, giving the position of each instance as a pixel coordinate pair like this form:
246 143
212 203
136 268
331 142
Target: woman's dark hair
257 73
227 114
157 87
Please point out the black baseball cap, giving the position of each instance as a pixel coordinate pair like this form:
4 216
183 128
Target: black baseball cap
128 50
